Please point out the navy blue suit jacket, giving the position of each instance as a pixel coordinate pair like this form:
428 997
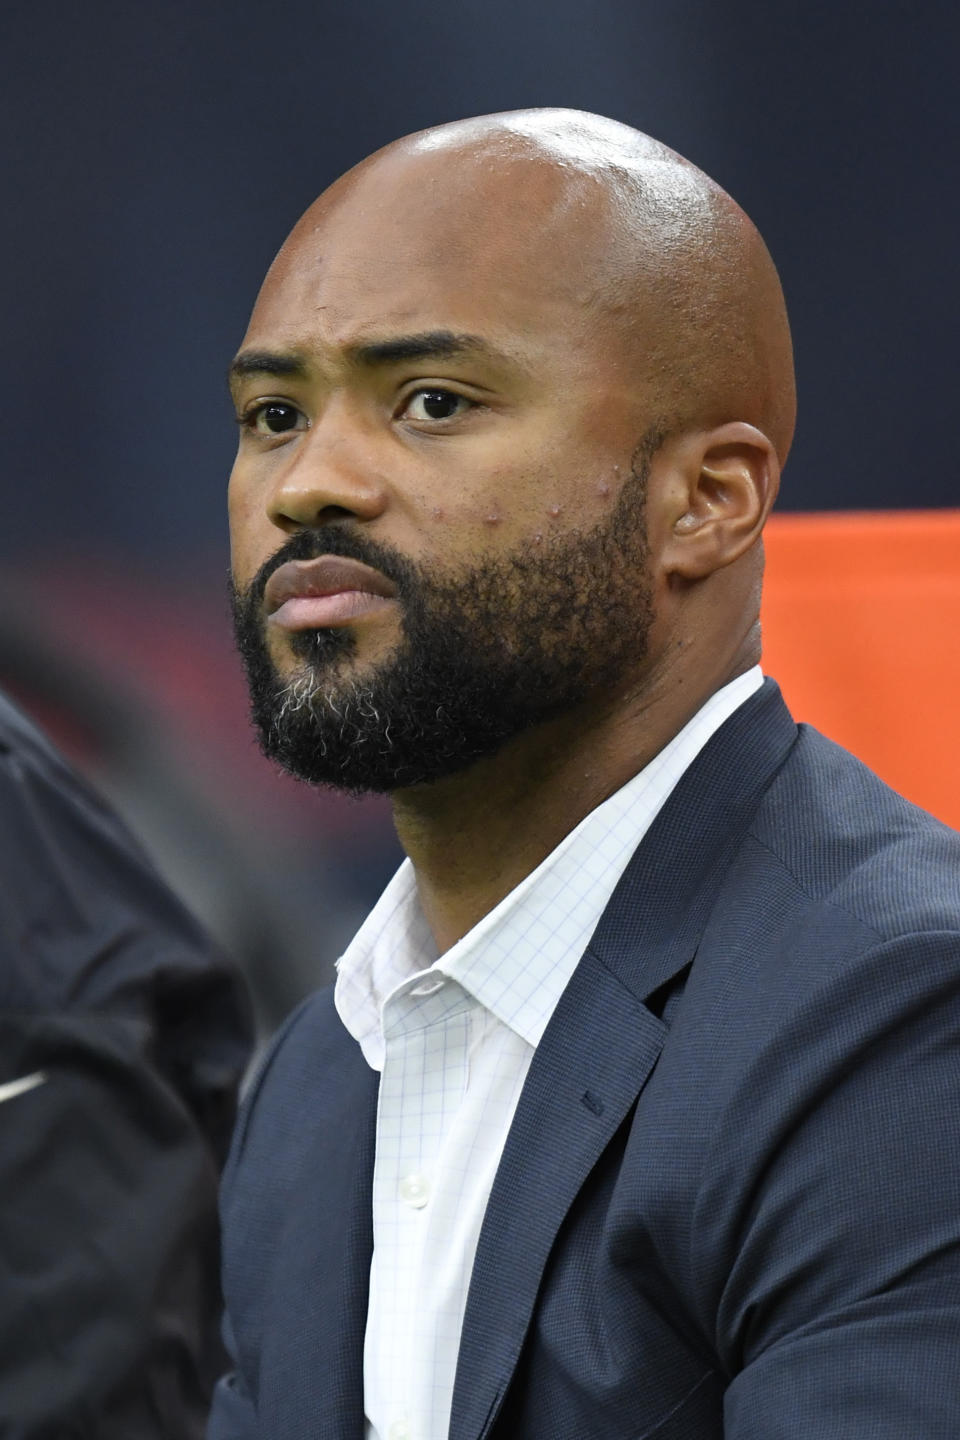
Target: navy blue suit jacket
729 1202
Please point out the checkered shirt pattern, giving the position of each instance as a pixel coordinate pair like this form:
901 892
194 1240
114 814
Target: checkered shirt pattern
453 1038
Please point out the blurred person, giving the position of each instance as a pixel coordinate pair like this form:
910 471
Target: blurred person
124 1036
633 1110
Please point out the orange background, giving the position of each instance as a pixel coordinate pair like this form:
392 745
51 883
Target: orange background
861 626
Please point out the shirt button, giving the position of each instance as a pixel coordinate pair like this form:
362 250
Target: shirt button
399 1430
416 1192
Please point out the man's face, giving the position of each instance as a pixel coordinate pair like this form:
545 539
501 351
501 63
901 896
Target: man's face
437 505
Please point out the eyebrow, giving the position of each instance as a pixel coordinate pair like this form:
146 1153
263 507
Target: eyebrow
431 345
265 362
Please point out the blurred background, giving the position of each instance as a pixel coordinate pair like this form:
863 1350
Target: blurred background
156 154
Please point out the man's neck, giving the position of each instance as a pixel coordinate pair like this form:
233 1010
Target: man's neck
473 837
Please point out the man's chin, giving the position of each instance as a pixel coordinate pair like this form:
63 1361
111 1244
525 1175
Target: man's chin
329 655
325 684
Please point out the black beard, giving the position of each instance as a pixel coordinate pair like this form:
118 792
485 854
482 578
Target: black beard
485 653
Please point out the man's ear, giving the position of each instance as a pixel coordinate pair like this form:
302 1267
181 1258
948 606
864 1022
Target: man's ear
721 486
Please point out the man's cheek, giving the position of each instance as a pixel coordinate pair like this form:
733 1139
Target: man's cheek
249 545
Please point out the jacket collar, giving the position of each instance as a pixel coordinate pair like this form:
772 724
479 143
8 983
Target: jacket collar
603 1042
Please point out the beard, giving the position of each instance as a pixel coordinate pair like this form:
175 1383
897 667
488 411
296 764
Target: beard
486 652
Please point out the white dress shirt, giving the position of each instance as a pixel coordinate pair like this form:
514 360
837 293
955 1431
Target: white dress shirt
453 1038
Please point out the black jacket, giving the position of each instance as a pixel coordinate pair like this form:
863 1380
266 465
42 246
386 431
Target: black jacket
123 1035
727 1204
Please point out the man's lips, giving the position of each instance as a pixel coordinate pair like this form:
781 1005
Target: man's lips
331 590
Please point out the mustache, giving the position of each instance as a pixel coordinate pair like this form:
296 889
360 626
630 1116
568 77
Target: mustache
331 540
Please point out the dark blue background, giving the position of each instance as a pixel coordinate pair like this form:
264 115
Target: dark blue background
156 154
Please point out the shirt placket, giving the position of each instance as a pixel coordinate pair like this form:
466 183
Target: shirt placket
426 1031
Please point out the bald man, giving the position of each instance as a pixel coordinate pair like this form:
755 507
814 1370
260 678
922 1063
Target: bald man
633 1111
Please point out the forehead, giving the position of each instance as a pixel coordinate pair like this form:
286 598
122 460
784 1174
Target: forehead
500 246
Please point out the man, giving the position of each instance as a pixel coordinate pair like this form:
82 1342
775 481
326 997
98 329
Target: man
633 1112
124 1037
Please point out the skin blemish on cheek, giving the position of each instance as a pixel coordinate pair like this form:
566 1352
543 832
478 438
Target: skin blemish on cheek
553 511
493 518
538 539
605 488
438 512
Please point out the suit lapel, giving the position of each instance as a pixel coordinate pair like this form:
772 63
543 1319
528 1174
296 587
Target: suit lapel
321 1294
603 1042
581 1096
652 926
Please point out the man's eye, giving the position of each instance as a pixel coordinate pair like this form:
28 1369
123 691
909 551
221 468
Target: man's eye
435 405
273 418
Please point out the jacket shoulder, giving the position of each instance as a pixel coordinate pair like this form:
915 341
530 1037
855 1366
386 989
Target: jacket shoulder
310 1044
851 843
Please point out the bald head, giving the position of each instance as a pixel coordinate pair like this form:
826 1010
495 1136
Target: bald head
656 258
534 371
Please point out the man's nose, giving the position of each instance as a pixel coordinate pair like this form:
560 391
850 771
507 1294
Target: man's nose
331 473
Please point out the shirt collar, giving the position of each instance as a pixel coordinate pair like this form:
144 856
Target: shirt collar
517 960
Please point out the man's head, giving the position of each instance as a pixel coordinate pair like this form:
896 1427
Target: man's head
524 381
